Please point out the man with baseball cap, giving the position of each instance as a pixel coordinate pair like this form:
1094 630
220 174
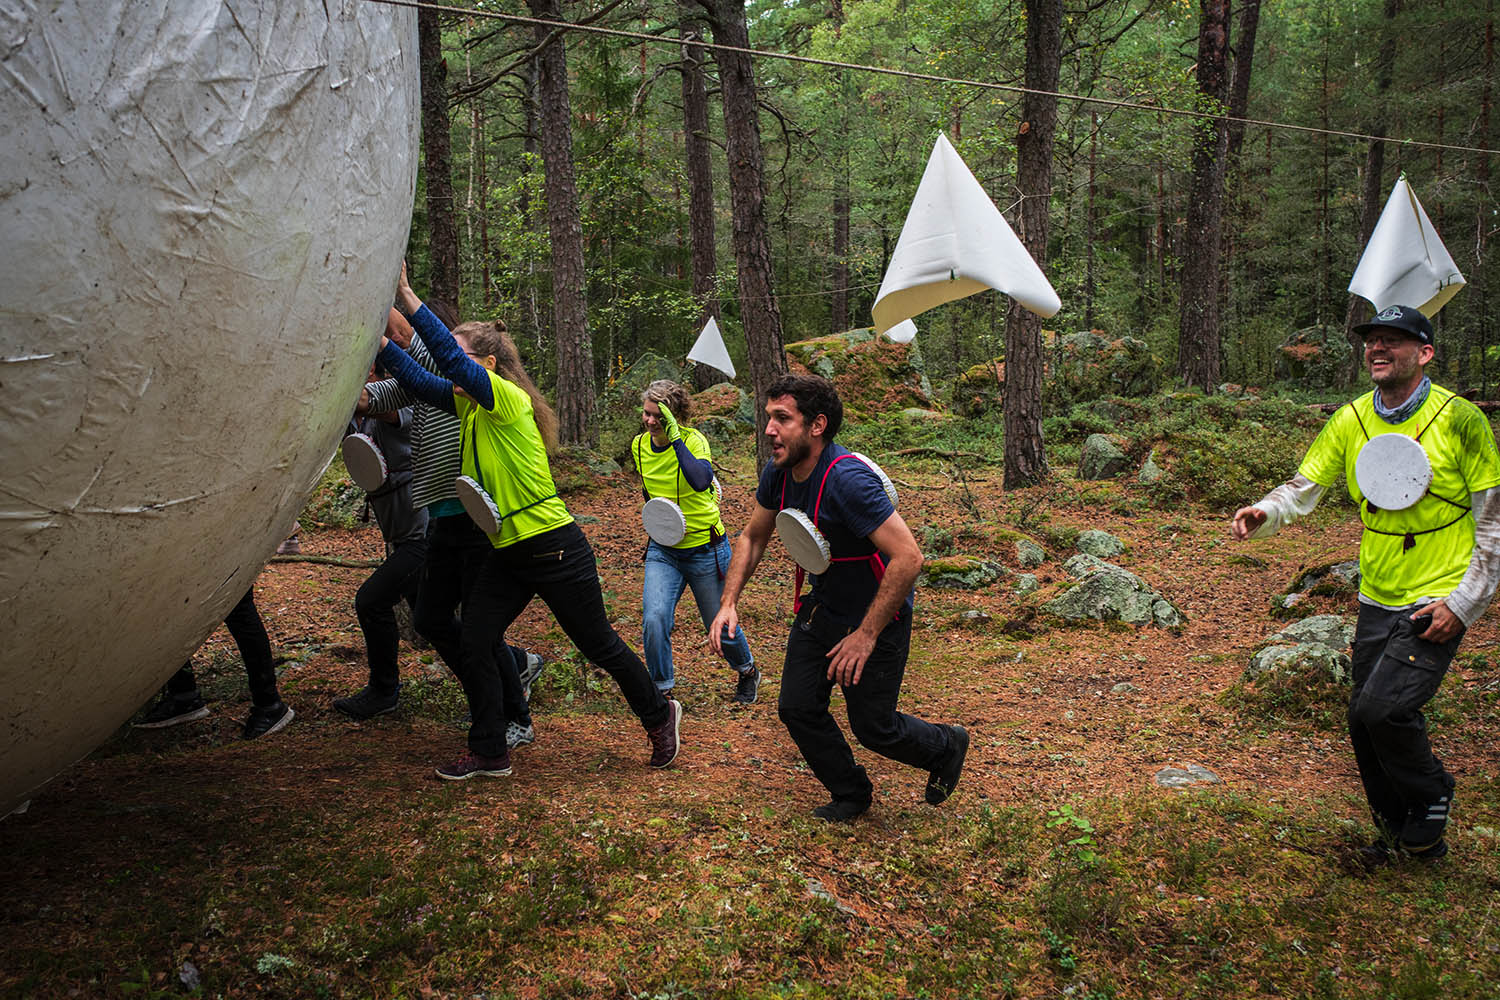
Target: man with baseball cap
1412 613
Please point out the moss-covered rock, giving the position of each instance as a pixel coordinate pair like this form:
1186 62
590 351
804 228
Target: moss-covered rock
873 375
1102 457
959 573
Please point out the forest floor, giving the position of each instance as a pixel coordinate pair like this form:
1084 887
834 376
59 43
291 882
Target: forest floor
326 860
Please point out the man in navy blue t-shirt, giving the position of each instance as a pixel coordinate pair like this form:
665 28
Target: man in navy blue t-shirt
855 626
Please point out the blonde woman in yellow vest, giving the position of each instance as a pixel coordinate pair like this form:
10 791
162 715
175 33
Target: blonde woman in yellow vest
675 464
1412 609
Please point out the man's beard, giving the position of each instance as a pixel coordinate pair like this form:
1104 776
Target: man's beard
795 452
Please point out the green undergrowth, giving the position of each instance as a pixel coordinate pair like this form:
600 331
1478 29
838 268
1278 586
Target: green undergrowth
1192 894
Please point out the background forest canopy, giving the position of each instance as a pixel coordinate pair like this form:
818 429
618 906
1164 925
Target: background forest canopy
844 150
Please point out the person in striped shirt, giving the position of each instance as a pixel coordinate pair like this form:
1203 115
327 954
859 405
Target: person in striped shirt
456 548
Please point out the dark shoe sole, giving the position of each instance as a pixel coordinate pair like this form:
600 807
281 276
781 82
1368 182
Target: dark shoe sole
276 726
840 811
176 720
357 716
939 787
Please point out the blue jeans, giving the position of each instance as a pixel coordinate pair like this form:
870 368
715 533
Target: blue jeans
668 572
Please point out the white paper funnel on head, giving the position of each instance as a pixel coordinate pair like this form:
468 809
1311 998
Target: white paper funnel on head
903 332
1405 262
955 243
710 350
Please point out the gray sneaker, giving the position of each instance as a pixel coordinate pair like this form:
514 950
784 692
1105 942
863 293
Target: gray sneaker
517 735
533 669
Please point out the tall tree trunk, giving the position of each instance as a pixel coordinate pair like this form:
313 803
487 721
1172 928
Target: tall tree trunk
575 352
1239 90
700 175
1025 455
1481 220
747 196
487 294
1090 220
532 113
1198 332
437 149
1374 183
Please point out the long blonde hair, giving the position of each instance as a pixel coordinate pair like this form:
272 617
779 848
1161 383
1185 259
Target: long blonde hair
490 337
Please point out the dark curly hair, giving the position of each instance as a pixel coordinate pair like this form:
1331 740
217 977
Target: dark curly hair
813 395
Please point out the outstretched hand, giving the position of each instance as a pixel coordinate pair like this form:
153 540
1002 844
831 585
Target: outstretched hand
406 299
1246 521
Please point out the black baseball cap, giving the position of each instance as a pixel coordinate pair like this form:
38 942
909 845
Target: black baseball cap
1407 319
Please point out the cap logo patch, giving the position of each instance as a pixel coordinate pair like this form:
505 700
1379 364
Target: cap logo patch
1394 312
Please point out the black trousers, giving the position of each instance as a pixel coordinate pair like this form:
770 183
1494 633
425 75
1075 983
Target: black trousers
398 578
456 552
871 705
249 633
558 566
1395 674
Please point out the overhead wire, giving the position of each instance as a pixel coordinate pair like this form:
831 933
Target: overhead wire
642 36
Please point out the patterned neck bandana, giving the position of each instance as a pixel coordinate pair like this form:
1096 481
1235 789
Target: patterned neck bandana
1405 410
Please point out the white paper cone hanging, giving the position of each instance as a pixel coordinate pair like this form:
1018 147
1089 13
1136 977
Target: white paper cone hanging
710 350
1405 262
903 332
955 243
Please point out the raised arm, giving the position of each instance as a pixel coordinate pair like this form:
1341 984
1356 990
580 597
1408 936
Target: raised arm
429 388
451 360
699 472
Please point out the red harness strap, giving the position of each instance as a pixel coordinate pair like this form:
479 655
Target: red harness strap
877 564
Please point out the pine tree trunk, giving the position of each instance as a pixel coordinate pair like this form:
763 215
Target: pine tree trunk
747 195
700 176
575 353
1025 455
437 149
1198 330
1374 185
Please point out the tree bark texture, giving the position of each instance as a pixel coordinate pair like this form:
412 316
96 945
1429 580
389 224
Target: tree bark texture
1198 330
747 196
437 150
700 175
1025 453
1244 57
575 353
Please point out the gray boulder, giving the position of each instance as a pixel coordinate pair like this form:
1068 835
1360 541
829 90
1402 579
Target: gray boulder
1029 554
1150 471
1107 592
959 573
1099 543
1317 645
1027 583
1101 458
1185 777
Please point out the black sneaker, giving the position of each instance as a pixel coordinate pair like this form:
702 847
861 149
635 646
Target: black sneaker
366 704
530 672
471 765
842 810
265 721
1424 826
665 742
174 710
1428 854
748 686
941 782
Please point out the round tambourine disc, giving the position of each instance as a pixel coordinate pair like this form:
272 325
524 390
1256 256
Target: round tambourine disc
885 481
1392 471
718 491
479 505
664 522
804 542
364 461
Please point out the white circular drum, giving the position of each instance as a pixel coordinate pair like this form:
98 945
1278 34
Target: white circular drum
664 522
366 464
1392 471
804 542
885 481
479 505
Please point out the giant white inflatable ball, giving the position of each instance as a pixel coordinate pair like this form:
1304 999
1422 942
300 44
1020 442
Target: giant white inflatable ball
203 208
